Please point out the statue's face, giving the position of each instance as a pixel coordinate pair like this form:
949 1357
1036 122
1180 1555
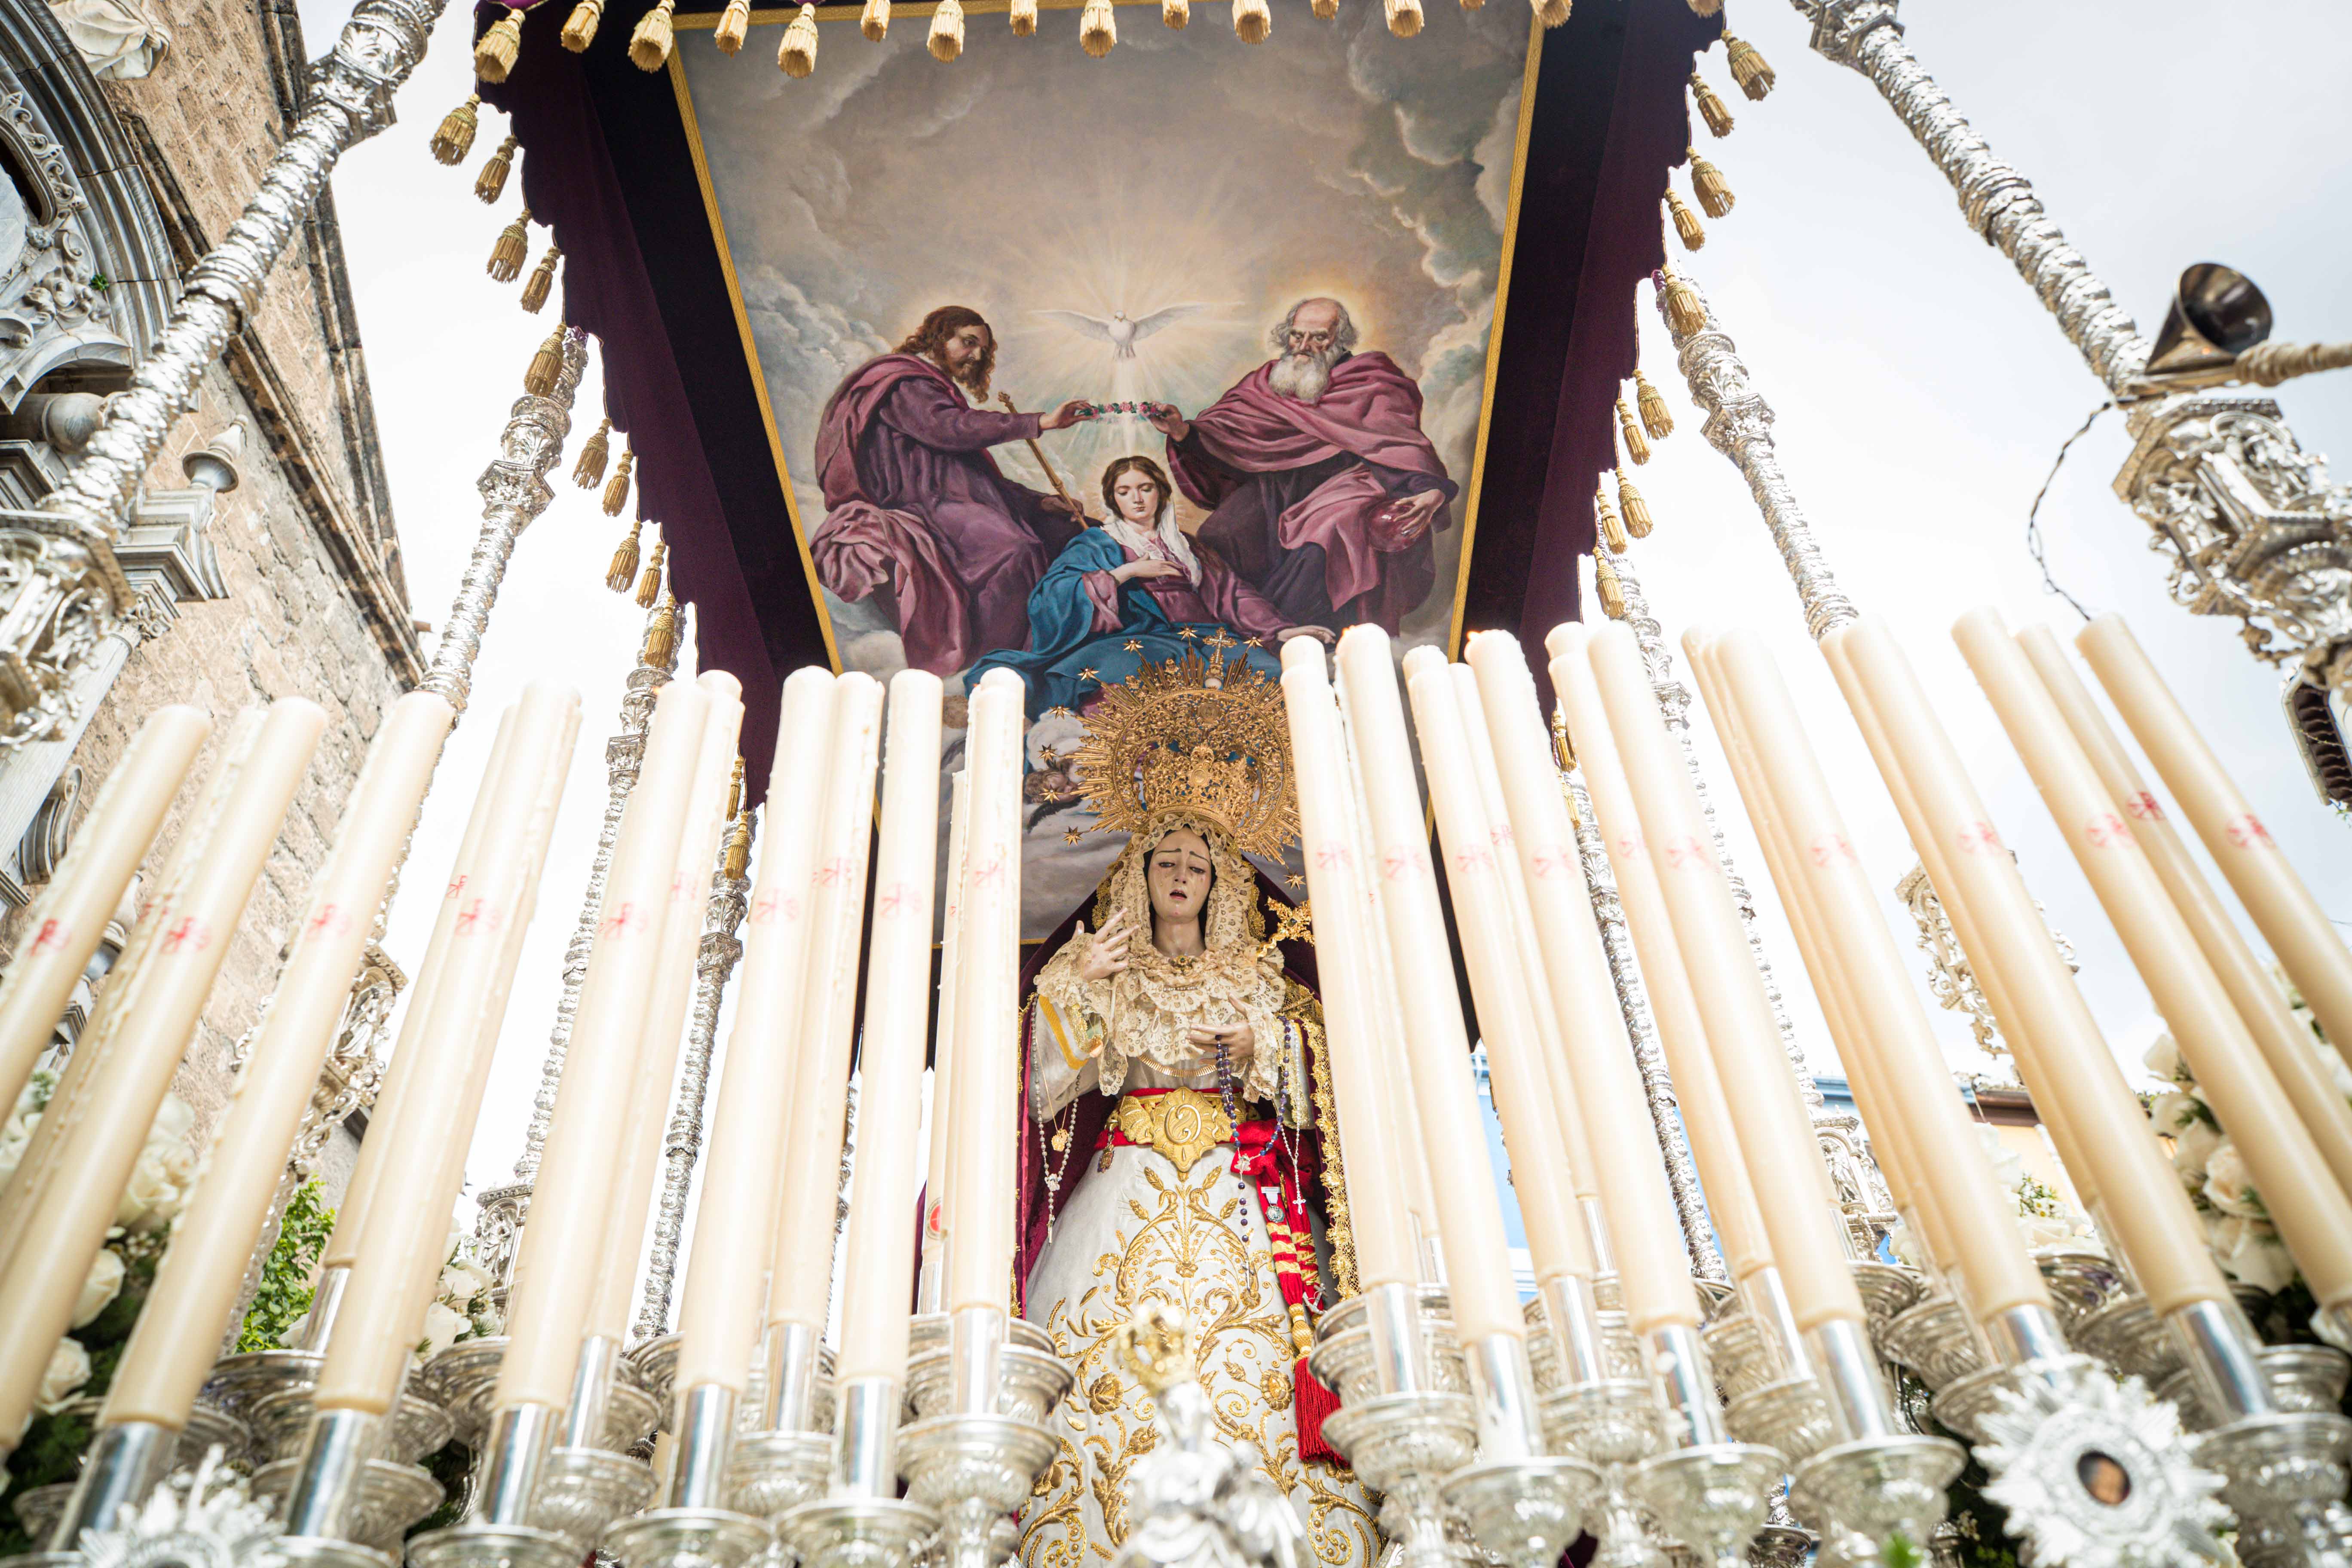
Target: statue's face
1179 876
1137 498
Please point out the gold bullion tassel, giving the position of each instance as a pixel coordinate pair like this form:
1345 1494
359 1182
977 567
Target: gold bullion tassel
1685 314
1252 21
734 26
1638 521
735 794
1405 18
1711 107
1688 228
1655 419
512 249
545 365
875 20
456 138
946 41
1323 9
1747 68
1175 13
1606 527
661 635
797 55
1715 198
1552 13
624 569
580 27
649 45
542 279
1706 7
593 453
1022 16
1613 592
649 586
1097 29
491 183
617 491
1637 445
739 849
496 50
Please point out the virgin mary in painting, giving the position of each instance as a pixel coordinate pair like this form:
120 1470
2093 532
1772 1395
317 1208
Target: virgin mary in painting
1134 590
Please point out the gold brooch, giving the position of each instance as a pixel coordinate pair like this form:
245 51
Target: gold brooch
1182 1123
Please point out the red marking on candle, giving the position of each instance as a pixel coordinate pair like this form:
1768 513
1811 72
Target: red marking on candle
2143 805
2247 832
835 872
1980 839
1632 844
894 899
676 886
457 885
1832 849
991 870
1684 852
1504 836
1552 861
2107 831
624 921
330 920
1395 863
190 935
1476 858
54 932
476 920
764 907
1335 856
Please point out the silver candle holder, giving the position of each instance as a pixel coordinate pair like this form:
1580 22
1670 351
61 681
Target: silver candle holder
698 1528
787 1457
1405 1419
501 1531
126 1462
861 1522
1708 1491
970 1457
1597 1402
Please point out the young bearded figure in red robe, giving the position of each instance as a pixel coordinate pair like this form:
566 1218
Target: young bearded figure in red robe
915 507
1322 490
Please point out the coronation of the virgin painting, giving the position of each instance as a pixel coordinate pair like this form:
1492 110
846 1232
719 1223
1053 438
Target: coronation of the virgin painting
1207 358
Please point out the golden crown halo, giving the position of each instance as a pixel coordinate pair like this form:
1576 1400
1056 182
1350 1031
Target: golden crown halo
1193 737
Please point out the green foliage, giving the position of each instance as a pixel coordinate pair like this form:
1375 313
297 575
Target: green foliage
285 1292
1899 1553
448 1465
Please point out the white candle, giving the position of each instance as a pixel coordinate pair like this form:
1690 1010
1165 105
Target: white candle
934 1179
403 1242
980 1249
1327 835
195 1288
719 1316
1603 1087
800 1281
880 1261
137 1044
569 1205
1470 1214
70 916
637 1158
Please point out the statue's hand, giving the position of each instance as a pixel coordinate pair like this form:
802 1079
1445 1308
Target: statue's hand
1106 955
1239 1039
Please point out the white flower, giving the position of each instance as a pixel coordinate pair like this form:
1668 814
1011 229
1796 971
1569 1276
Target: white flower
2248 1249
158 1189
98 1291
14 1138
2163 1059
442 1327
2045 1230
68 1370
462 1279
1904 1243
2193 1149
2007 1167
2228 1186
175 1119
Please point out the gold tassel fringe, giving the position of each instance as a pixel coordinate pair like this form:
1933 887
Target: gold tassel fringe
875 20
624 569
661 635
1637 447
1175 13
580 27
494 52
542 279
1685 314
512 249
1655 419
456 138
1613 592
796 56
946 41
1022 16
617 491
1097 28
491 183
545 366
1552 13
1637 511
1711 107
649 45
1606 528
1715 198
734 26
1706 7
735 793
738 847
1323 9
590 467
1405 18
1252 21
1688 228
649 586
1747 68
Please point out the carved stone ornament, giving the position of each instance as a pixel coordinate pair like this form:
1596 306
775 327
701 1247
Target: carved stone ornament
119 40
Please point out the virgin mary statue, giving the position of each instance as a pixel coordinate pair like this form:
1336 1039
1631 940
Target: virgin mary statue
1174 1077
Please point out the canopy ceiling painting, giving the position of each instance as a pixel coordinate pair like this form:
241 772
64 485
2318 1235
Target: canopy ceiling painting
1070 365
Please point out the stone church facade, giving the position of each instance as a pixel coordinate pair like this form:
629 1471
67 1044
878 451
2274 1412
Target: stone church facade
263 545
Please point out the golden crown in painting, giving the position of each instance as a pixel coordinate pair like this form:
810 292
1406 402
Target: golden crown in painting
1193 737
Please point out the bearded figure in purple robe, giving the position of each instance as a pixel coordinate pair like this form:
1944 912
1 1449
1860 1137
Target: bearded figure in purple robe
916 512
1321 490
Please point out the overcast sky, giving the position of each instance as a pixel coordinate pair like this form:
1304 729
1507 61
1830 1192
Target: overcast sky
1920 389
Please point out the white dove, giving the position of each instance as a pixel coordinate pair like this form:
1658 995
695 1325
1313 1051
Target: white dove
1121 331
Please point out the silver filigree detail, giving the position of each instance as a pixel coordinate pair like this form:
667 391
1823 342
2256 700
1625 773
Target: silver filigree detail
202 1517
1950 980
2047 1441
